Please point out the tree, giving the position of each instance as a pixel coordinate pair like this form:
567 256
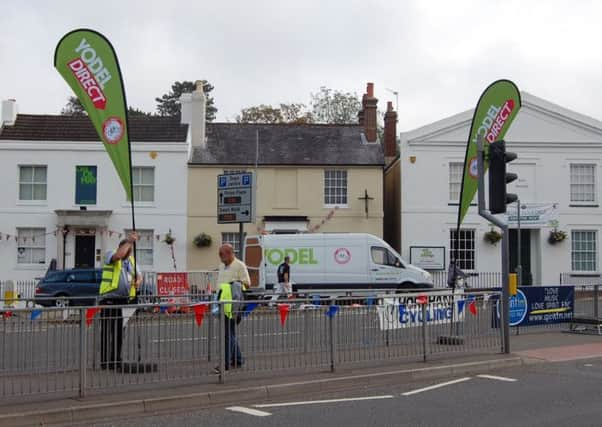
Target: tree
295 113
335 107
136 112
168 104
73 107
260 114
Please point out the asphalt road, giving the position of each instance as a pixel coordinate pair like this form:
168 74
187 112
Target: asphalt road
547 394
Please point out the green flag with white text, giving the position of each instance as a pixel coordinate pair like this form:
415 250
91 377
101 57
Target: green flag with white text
496 109
87 61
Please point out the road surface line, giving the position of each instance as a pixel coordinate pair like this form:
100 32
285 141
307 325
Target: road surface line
248 411
495 377
317 402
433 387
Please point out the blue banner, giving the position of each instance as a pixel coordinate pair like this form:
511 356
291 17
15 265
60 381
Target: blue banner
85 185
541 305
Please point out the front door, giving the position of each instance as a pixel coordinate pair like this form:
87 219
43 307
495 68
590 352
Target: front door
525 237
84 251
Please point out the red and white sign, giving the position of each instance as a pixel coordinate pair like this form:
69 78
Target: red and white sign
342 256
172 284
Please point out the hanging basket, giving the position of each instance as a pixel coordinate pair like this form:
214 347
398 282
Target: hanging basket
556 236
492 236
202 240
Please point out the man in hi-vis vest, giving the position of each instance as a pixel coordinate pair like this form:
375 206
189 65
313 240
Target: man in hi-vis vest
233 278
120 279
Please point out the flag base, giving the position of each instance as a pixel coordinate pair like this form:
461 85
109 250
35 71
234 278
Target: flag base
450 340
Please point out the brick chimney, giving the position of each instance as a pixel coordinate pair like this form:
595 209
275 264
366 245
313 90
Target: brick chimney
193 114
390 143
9 112
369 113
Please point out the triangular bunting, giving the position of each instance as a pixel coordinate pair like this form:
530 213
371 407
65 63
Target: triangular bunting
283 309
127 313
472 307
461 305
249 308
332 310
199 313
90 313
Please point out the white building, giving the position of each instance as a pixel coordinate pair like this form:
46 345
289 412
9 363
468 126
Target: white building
559 157
51 166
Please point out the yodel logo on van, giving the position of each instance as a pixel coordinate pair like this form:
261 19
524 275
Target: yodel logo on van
303 256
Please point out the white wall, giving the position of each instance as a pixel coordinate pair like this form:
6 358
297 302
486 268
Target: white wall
168 210
546 144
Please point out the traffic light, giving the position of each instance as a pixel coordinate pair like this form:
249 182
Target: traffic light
498 177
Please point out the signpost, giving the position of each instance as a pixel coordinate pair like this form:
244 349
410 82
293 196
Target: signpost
236 200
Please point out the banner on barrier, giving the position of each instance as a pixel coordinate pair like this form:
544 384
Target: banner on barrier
541 305
396 312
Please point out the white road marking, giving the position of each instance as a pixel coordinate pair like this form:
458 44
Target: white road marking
433 387
494 377
589 365
248 411
317 402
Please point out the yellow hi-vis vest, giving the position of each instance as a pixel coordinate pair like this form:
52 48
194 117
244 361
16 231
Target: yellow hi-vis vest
226 295
110 278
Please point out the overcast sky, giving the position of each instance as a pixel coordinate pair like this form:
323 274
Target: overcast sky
439 55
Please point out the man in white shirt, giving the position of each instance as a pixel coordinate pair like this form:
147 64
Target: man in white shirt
232 269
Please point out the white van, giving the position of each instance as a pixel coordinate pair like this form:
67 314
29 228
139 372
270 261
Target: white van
337 261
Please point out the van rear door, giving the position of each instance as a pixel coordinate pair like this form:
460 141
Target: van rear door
253 259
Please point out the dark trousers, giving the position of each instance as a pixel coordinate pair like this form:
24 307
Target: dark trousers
111 334
233 354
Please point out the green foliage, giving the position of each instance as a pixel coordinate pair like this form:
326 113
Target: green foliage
295 113
169 105
73 107
335 107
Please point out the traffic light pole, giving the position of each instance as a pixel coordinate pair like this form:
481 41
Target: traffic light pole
504 312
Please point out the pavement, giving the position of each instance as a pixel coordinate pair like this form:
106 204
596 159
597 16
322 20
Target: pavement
544 394
529 349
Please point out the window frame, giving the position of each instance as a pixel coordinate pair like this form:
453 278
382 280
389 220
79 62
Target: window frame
234 242
138 186
144 232
31 201
33 232
582 251
451 242
324 187
594 200
449 182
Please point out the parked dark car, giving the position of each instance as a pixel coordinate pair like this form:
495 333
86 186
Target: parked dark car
62 288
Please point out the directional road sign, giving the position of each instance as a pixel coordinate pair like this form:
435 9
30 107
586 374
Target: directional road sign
236 198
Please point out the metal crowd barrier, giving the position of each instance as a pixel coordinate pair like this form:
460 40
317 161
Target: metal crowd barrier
70 351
